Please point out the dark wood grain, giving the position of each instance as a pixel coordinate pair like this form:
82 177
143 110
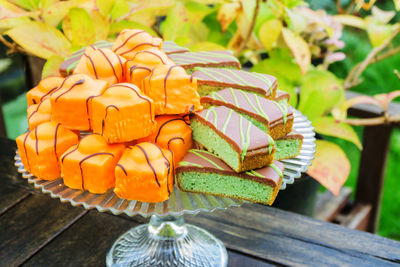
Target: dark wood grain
10 196
285 238
376 141
236 259
30 225
85 243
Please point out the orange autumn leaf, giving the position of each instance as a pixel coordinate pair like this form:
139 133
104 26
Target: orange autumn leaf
299 48
227 13
330 166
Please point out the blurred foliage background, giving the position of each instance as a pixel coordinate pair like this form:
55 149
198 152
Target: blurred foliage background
317 49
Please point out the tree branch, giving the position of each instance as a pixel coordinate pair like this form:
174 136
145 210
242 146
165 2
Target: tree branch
12 47
352 78
250 31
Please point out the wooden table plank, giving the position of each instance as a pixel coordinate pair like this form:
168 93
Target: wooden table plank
10 196
85 243
236 259
30 225
289 239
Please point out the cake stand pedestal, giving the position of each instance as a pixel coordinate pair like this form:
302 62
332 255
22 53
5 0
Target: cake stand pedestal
166 240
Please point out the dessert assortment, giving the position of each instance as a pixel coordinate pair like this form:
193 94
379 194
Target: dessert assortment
139 114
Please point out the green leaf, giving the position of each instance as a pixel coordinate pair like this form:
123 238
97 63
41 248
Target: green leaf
269 33
105 6
119 9
197 11
176 24
117 27
330 166
329 126
264 14
82 28
40 39
51 66
320 92
27 4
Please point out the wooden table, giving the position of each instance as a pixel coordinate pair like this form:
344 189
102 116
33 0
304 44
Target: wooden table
36 230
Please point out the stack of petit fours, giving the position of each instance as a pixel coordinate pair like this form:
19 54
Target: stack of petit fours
245 129
133 98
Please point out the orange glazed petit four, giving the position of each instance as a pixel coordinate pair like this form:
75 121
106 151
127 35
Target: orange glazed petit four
142 63
131 41
173 132
45 87
41 148
90 164
101 63
70 103
172 90
145 173
122 114
39 113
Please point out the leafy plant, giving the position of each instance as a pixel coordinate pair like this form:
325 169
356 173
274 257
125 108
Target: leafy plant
284 38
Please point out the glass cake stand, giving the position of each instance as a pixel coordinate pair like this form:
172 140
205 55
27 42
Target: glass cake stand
166 240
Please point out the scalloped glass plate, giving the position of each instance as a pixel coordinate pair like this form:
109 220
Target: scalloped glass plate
180 202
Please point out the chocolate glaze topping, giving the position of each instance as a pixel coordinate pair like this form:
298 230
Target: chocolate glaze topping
127 39
148 162
122 168
204 161
167 164
81 81
165 123
26 154
55 140
165 83
260 83
170 47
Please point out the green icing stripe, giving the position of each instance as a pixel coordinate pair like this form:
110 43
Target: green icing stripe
260 111
72 66
185 163
276 169
202 151
264 79
208 74
227 121
284 111
238 77
241 137
207 113
207 159
215 116
260 107
271 143
234 97
254 173
247 137
215 94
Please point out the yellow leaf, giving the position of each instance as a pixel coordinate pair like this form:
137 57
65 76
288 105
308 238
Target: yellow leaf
56 12
227 13
397 4
269 33
82 28
328 126
105 6
330 166
206 46
6 24
51 66
378 33
176 24
117 27
350 20
102 26
299 49
40 39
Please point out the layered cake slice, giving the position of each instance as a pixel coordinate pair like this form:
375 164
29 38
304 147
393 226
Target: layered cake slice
233 138
220 59
202 172
288 146
214 79
272 117
282 97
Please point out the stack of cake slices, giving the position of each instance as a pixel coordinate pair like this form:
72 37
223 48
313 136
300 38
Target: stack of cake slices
243 132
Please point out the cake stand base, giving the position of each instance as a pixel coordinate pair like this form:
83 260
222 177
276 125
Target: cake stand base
167 241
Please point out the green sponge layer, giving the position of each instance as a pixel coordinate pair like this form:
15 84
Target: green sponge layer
225 185
203 135
287 148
